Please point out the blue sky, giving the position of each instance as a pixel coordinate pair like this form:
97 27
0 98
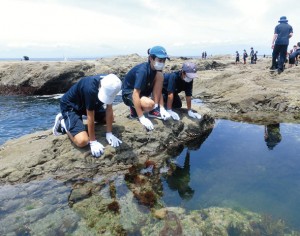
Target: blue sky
96 28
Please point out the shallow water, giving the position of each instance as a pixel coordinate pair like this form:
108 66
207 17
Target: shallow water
236 167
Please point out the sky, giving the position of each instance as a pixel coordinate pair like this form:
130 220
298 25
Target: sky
99 28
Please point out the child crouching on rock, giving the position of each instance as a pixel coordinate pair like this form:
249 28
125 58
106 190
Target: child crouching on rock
176 82
87 97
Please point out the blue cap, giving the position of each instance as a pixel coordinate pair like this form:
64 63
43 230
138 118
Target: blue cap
159 52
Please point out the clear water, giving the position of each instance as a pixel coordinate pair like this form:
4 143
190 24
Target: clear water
234 167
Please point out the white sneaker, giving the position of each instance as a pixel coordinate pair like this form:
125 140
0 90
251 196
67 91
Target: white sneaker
57 126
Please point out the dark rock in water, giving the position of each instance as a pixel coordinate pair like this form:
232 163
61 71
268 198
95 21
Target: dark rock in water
26 58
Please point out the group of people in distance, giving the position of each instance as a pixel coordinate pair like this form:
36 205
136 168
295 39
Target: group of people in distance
280 55
253 56
145 89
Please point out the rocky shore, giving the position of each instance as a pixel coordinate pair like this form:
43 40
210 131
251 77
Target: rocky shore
239 92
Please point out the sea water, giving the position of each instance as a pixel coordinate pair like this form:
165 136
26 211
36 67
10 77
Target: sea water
239 165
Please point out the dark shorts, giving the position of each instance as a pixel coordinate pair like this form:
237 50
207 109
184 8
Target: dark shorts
176 100
74 122
127 99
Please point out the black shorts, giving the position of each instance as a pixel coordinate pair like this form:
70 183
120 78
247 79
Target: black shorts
74 122
127 99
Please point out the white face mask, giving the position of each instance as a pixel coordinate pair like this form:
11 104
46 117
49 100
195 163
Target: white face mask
187 79
159 65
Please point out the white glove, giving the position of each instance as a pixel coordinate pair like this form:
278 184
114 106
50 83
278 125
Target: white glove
97 148
113 140
146 122
194 114
164 114
174 115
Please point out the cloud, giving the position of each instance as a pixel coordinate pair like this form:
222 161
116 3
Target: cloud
117 27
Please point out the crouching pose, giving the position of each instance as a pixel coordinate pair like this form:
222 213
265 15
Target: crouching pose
142 81
87 97
176 82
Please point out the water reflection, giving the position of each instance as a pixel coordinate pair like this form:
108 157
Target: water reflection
180 178
233 168
272 135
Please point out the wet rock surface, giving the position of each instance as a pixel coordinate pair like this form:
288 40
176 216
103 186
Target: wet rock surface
91 207
42 155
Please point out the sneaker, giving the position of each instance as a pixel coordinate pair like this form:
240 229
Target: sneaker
133 114
272 68
57 129
155 113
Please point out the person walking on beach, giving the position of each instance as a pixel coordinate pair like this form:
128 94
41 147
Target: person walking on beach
176 82
245 55
87 97
282 33
237 57
142 81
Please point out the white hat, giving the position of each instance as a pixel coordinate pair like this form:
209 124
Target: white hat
110 85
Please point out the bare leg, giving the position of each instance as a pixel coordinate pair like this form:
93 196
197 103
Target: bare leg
158 85
80 140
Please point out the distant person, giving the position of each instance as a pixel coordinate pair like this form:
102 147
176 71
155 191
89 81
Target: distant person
205 55
87 97
255 57
282 33
176 82
272 135
293 57
251 55
237 58
245 55
142 81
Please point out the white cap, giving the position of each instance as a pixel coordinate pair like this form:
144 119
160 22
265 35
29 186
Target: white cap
110 85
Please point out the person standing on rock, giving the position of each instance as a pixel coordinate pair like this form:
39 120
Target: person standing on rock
282 33
176 82
252 55
87 97
142 81
245 55
237 57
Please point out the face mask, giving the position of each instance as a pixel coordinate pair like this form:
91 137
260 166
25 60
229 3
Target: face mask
187 79
159 65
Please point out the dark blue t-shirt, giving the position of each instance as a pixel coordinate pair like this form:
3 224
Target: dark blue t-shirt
174 84
83 95
295 54
283 30
140 77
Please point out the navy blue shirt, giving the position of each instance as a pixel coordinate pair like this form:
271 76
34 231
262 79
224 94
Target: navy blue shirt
174 84
295 54
140 77
283 30
83 95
